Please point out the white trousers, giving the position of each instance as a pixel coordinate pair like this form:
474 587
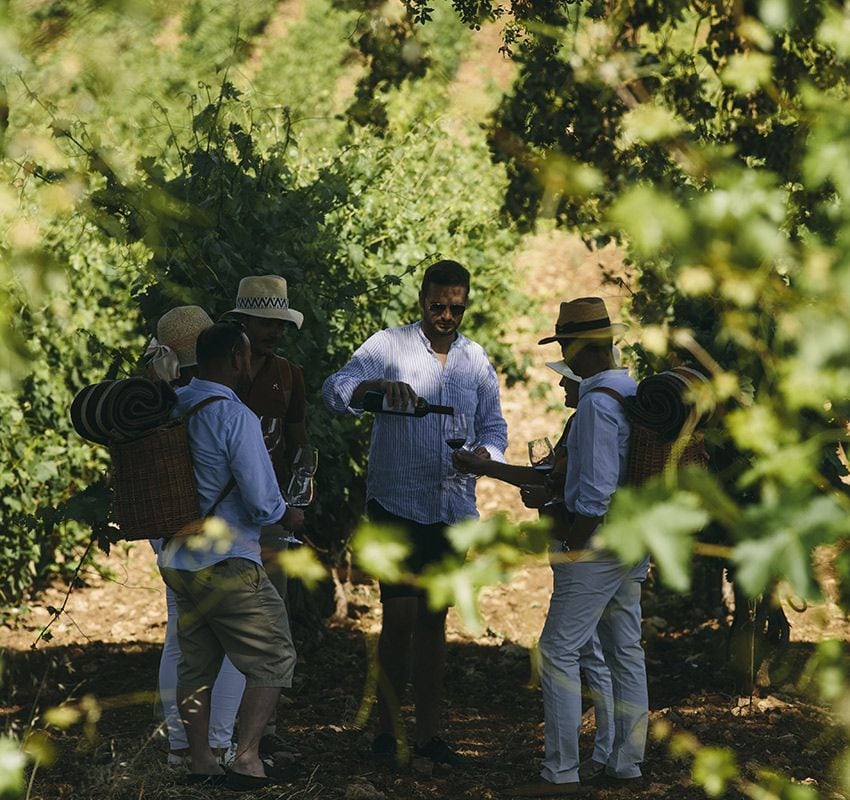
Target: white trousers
587 597
598 679
226 691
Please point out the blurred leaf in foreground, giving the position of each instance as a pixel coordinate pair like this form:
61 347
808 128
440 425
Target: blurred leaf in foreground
652 521
12 763
381 550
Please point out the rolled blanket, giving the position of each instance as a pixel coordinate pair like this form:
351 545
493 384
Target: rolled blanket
665 402
117 411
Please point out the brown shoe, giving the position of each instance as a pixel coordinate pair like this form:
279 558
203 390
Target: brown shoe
544 788
591 771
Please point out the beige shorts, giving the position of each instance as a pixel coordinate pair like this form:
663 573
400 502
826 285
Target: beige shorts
231 608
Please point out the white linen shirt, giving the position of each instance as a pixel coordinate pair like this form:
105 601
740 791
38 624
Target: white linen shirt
598 444
408 457
226 439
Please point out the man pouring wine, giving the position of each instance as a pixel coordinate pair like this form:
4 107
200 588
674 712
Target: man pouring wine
411 482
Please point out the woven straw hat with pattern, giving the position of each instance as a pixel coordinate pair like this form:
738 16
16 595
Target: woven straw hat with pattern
265 296
179 329
584 318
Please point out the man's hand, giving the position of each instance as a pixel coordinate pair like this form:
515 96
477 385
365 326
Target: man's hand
293 519
534 496
399 395
471 463
581 530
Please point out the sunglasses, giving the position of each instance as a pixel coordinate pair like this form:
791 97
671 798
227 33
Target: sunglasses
456 310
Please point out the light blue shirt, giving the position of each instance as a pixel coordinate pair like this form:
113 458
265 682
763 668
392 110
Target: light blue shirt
226 440
598 444
408 457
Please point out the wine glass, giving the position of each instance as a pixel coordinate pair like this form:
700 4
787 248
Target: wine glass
301 490
456 432
541 455
271 428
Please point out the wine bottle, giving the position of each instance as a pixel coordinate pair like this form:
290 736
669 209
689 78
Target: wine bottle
378 403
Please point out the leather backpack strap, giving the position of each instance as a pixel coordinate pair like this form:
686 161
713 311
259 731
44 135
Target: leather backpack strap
205 402
611 393
228 488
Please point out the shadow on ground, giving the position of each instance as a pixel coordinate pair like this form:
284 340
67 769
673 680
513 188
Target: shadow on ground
492 712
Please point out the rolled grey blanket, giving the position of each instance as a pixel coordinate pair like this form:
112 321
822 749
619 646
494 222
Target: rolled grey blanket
664 402
117 411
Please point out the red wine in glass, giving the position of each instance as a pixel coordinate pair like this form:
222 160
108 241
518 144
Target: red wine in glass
455 434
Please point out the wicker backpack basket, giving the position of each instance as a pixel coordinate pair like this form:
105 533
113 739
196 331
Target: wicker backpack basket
650 453
155 494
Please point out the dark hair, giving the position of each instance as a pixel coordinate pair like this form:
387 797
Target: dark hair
219 342
445 273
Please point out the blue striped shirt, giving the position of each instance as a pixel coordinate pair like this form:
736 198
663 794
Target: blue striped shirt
226 440
408 457
598 444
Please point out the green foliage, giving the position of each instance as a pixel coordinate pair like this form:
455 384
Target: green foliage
519 13
45 463
713 769
12 764
154 179
303 563
711 145
381 550
650 520
393 55
485 552
777 787
830 668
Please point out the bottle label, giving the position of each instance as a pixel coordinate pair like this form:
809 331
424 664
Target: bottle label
410 408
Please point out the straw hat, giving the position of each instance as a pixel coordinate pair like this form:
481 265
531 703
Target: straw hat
584 318
265 296
179 329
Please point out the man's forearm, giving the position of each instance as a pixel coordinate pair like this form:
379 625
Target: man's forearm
513 474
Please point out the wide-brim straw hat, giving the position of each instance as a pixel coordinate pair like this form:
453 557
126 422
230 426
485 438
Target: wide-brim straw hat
265 296
179 329
585 318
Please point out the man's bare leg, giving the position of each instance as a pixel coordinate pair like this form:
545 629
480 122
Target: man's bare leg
399 616
429 661
194 707
258 705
